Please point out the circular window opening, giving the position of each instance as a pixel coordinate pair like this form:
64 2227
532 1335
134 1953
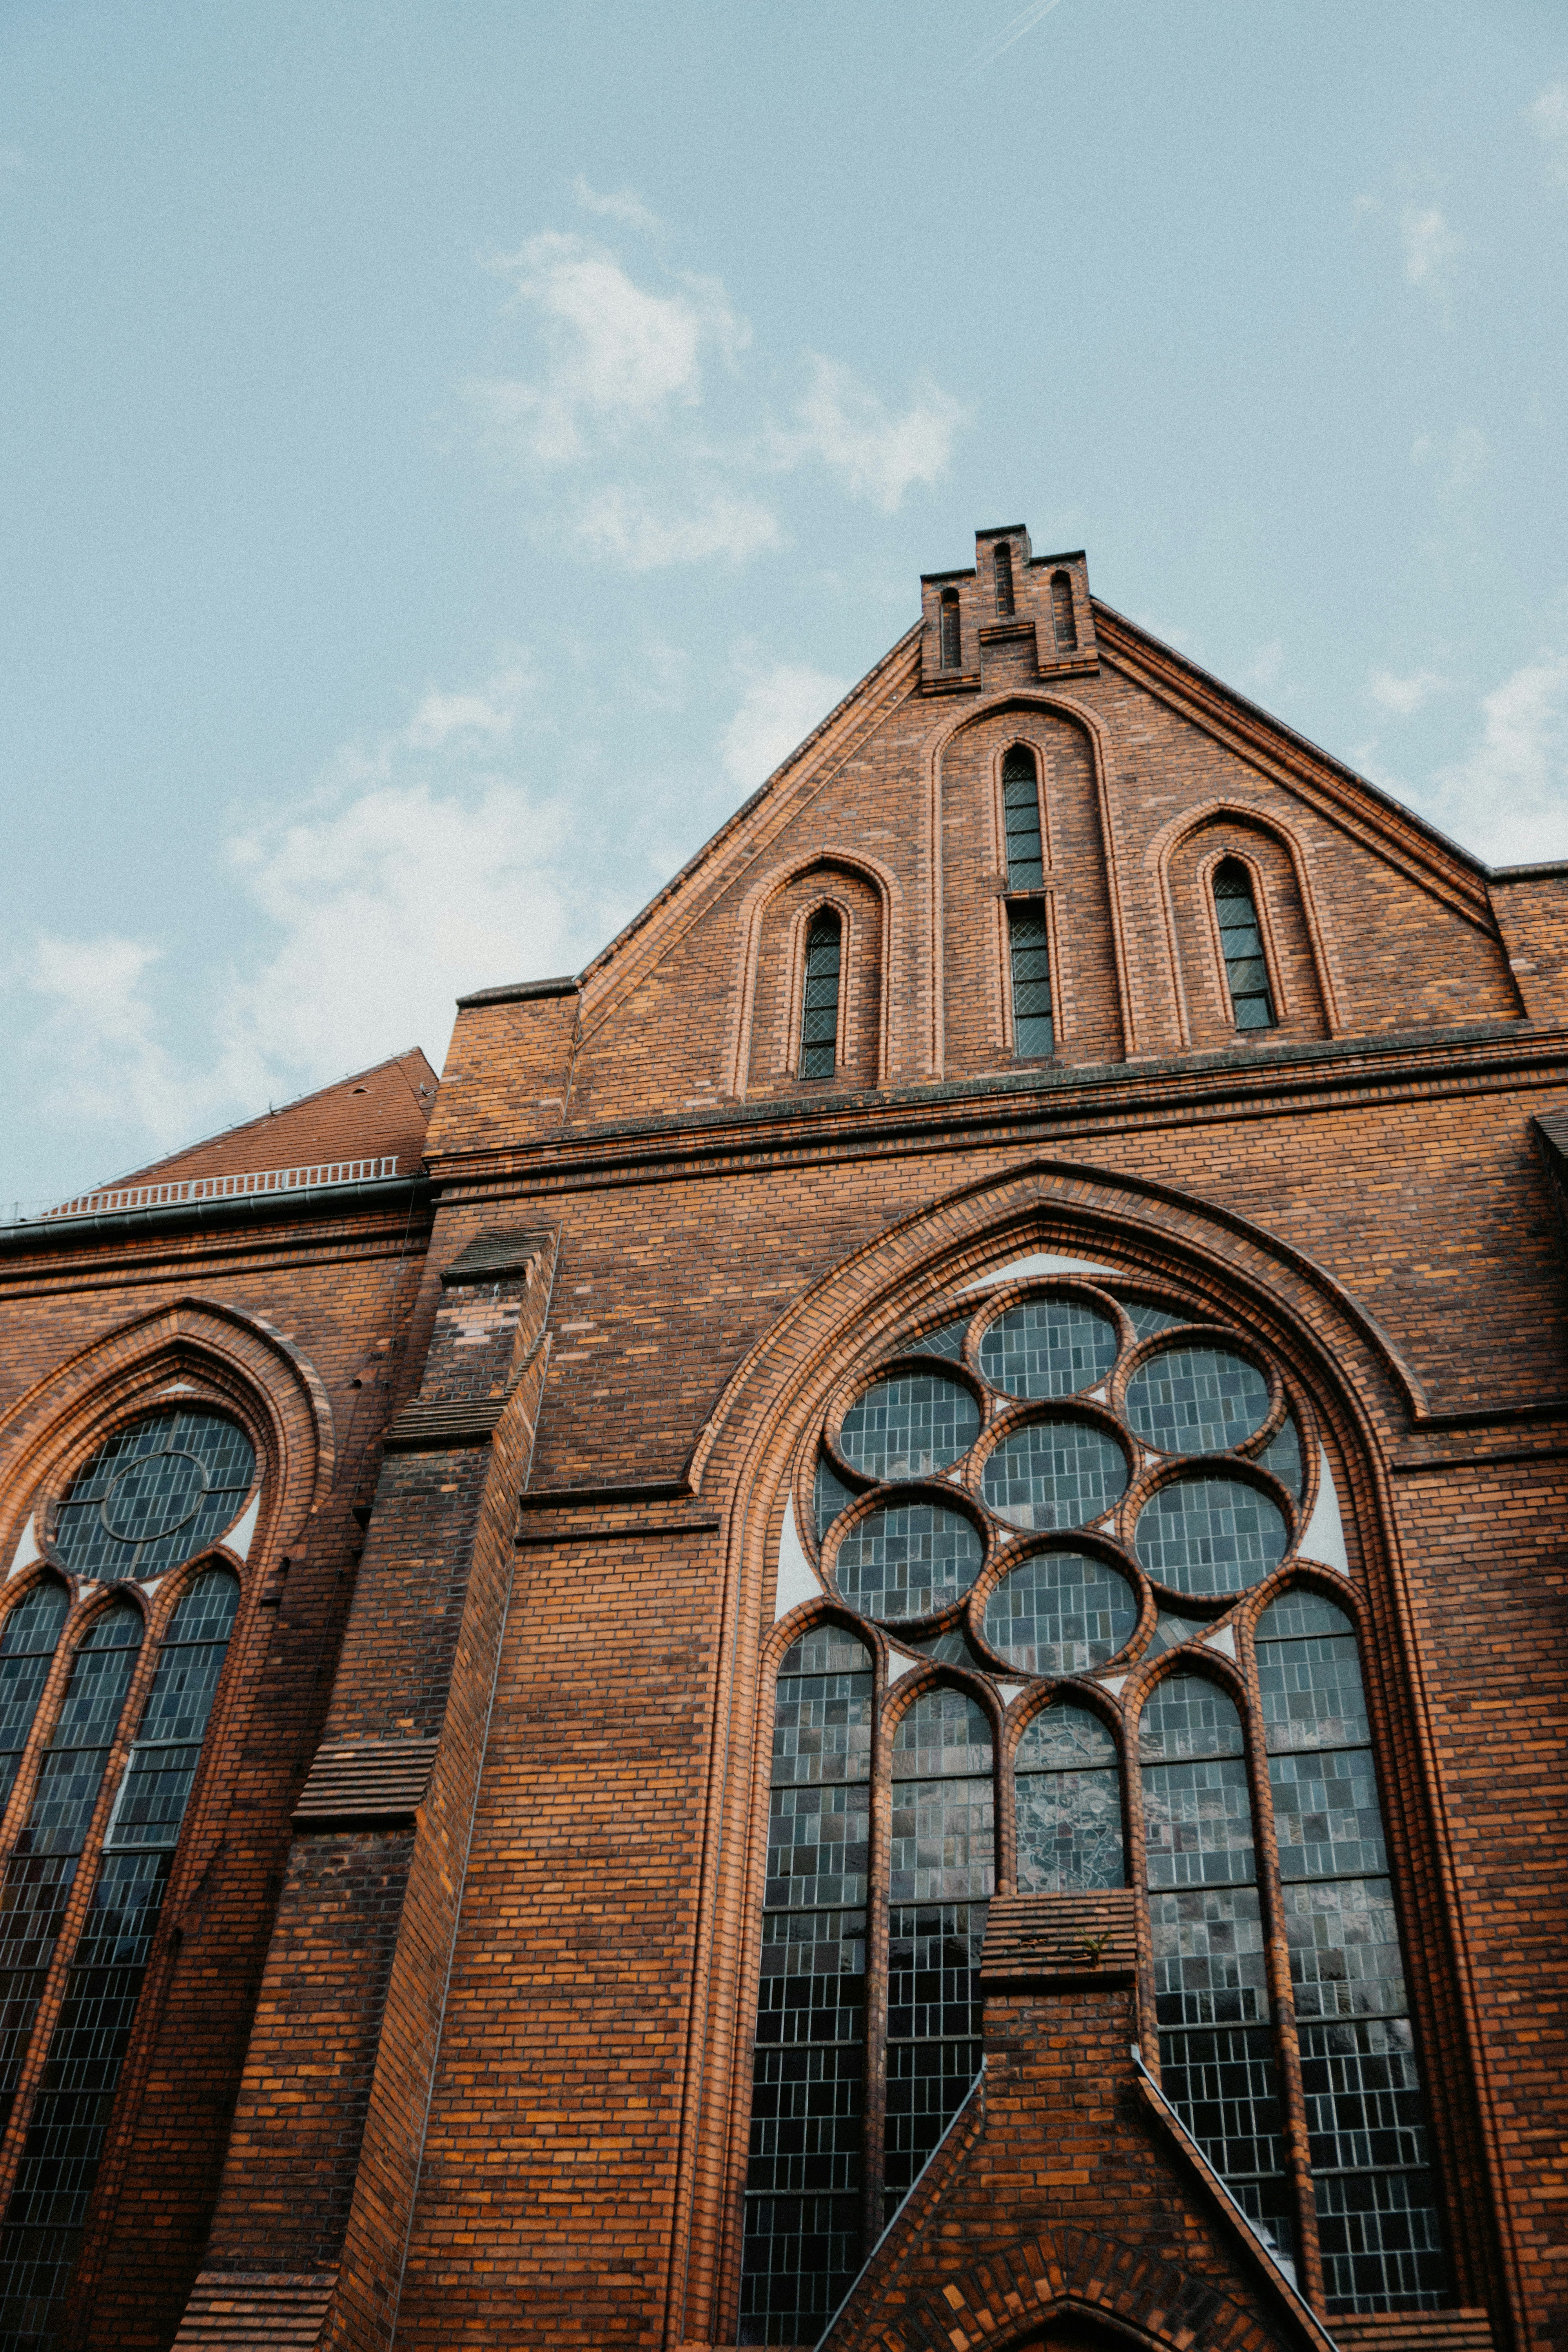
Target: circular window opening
907 1560
908 1425
1196 1400
1060 1613
1209 1536
1054 1473
153 1496
1047 1348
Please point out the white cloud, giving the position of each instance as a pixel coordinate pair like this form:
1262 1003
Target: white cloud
777 711
97 1042
1431 250
1460 459
646 535
616 354
878 455
1548 118
489 716
623 204
1510 798
1404 695
1263 670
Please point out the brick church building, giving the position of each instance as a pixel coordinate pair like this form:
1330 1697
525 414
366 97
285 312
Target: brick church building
853 1646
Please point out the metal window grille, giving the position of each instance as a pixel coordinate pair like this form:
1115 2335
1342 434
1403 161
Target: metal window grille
1034 1028
819 1013
1021 819
1241 943
1004 559
951 644
1062 615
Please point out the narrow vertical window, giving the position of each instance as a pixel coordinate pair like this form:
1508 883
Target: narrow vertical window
1211 1984
1377 2208
1021 818
941 1875
71 2119
951 644
1034 1028
1004 561
1062 615
804 2177
1241 944
27 1651
819 1011
1070 1804
39 1874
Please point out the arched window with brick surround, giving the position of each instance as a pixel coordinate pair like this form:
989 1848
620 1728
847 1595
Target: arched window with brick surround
820 994
102 1797
1069 1518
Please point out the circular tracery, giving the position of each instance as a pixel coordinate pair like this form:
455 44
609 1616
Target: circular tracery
155 1495
1211 1531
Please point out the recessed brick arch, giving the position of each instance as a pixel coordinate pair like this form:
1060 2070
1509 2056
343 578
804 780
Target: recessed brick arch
1184 855
772 924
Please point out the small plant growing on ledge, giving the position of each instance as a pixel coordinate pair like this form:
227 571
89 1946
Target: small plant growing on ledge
1093 1947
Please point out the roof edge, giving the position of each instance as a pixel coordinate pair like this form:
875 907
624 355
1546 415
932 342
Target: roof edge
189 1216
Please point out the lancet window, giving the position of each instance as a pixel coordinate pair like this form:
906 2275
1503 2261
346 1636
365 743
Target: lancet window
97 1790
1241 944
1077 1546
819 1001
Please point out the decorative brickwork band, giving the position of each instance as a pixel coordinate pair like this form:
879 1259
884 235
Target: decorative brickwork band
365 1784
254 2311
1415 2331
1060 1942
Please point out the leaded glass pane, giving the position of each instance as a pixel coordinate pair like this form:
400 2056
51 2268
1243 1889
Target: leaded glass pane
1364 2107
1299 1613
1247 974
1210 1963
952 1648
943 1840
1209 1534
822 1727
1021 816
944 1731
1282 1455
1225 2085
1047 1348
1060 1613
928 2082
1343 1942
1055 1473
1187 1715
819 1011
828 1649
27 1644
1069 1831
1148 1321
1065 1739
1327 1821
813 1976
907 1560
1196 1400
1033 1030
818 1845
830 1496
1171 1632
948 1341
909 1426
155 1495
1312 1695
1382 2240
933 2029
1199 1823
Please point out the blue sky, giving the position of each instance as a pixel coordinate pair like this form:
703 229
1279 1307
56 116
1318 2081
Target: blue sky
451 453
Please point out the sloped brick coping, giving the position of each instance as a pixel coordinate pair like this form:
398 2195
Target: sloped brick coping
1060 1947
256 2311
365 1784
1416 2331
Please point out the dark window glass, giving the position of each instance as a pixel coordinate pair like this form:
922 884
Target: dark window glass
940 1868
951 644
819 1011
1060 1614
47 2213
1055 1473
1068 1803
1047 1348
948 1341
155 1495
1004 561
1034 1028
1021 820
1062 615
831 1496
1148 1321
1211 1984
1245 972
1377 2206
27 1651
1196 1400
907 1560
1209 1534
909 1426
802 2233
1282 1455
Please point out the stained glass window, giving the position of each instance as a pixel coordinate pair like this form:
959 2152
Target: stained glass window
907 1560
153 1496
1047 1348
1196 1400
27 1644
1068 1793
1021 818
909 1426
1034 1024
1241 943
1055 1473
1060 1613
819 1008
1209 1534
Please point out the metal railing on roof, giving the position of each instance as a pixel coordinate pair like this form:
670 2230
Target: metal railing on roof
106 1199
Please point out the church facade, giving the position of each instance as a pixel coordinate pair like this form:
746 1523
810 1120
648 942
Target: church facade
858 1642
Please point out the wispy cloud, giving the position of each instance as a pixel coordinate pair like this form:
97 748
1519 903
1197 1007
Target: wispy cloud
1024 22
1548 118
623 204
1431 250
1458 459
778 710
877 453
1403 697
1508 798
644 534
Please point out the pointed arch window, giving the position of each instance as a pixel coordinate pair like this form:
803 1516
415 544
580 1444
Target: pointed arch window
1241 944
1068 1797
951 637
819 1007
1021 818
27 1646
1029 945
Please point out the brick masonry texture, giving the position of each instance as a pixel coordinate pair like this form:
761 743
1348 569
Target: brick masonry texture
474 2070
